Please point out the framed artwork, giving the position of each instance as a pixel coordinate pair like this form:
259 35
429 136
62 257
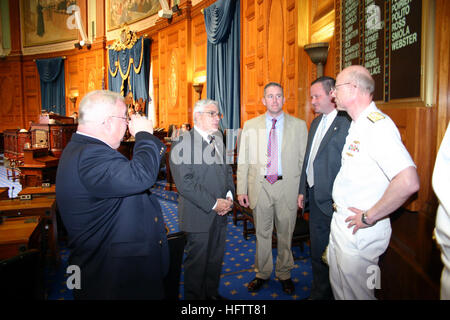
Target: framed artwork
120 12
45 22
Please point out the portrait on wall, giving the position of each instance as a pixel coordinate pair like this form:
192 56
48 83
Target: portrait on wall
121 12
46 21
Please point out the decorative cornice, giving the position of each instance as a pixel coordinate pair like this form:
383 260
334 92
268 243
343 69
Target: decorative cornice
126 40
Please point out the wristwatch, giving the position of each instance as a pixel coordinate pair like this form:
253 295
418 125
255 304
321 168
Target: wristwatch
363 219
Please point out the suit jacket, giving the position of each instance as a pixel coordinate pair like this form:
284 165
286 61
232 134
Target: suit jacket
252 160
115 225
200 180
327 161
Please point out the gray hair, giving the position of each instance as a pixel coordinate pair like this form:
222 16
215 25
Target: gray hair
201 104
97 105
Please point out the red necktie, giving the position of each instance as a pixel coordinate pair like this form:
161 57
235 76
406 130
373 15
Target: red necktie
272 153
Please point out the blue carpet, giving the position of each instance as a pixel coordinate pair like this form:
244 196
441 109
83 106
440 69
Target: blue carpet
238 264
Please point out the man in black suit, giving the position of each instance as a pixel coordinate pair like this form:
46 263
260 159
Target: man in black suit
326 139
205 186
115 226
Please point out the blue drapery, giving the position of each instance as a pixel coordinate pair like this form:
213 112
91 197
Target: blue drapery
222 21
51 74
131 73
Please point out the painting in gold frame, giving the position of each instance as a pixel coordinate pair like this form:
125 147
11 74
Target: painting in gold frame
121 12
45 22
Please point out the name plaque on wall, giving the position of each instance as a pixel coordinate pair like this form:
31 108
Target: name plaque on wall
385 37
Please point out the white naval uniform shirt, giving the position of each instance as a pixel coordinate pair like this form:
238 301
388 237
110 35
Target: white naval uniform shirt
372 156
441 186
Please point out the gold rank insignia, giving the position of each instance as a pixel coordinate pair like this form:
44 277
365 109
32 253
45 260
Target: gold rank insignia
375 116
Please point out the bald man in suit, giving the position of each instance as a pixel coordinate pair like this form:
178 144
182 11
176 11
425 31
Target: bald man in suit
271 153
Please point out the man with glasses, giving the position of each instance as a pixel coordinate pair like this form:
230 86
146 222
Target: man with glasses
322 162
205 187
115 226
376 177
270 161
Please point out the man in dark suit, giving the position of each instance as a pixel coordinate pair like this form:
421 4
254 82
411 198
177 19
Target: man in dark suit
326 139
205 186
115 226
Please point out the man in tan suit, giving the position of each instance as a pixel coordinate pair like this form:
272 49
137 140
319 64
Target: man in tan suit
271 154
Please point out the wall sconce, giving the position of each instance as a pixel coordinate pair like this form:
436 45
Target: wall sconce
198 88
198 85
73 98
318 53
175 8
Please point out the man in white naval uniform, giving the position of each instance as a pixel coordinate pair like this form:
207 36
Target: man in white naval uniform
441 186
377 176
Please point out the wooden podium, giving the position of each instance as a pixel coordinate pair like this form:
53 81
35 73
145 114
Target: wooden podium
37 167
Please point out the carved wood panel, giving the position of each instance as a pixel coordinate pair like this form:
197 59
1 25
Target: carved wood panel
11 110
174 57
269 53
198 51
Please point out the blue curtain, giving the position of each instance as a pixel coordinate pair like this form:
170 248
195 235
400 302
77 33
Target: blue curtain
222 21
129 69
53 96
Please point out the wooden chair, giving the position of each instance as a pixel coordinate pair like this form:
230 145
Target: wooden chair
301 231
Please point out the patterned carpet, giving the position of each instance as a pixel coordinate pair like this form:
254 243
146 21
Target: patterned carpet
237 268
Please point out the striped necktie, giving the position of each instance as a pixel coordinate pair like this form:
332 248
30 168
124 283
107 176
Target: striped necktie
272 153
212 143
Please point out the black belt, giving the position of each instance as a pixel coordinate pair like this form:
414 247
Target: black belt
278 178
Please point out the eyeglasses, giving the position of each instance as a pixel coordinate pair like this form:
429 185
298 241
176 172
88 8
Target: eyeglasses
127 119
213 114
342 84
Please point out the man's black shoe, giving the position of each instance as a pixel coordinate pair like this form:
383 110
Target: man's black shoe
256 284
288 286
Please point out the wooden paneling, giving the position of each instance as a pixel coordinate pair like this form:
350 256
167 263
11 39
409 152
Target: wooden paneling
84 73
31 93
198 53
269 53
11 110
174 57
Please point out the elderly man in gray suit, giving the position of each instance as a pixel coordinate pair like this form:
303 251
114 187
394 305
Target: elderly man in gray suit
205 186
322 162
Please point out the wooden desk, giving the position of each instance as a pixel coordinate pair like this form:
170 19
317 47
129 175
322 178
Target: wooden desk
16 235
39 191
44 207
37 167
4 193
